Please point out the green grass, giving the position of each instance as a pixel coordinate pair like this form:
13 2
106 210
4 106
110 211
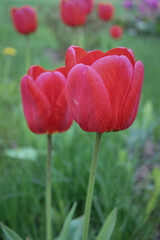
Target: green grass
119 181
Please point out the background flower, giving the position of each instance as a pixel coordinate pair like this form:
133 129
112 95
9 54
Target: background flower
105 11
24 19
116 31
73 13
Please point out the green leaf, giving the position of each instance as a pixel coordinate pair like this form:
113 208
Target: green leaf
65 230
9 234
27 153
107 228
76 228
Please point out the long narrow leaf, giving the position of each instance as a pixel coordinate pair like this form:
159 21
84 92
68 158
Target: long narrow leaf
76 229
66 226
9 234
107 229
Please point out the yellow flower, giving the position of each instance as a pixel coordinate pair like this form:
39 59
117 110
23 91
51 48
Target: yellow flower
9 51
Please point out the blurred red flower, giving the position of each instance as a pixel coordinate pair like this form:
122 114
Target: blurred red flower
74 12
24 19
105 11
103 89
44 102
89 5
116 31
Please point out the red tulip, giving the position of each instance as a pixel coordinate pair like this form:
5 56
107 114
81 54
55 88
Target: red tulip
103 89
105 11
73 12
24 19
116 31
89 5
44 102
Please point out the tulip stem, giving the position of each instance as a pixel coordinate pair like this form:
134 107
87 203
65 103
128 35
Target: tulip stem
80 34
48 190
28 55
91 187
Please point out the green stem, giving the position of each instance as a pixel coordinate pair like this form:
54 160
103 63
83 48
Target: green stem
80 34
91 187
28 56
7 68
48 191
74 37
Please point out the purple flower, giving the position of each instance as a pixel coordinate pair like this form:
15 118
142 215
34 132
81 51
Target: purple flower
153 4
142 8
128 4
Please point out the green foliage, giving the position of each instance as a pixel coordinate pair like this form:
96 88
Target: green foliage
108 227
9 234
76 228
155 195
65 230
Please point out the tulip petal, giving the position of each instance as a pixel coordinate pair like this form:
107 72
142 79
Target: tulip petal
61 70
37 109
121 51
35 71
73 56
133 98
117 75
53 85
88 99
91 57
132 53
62 113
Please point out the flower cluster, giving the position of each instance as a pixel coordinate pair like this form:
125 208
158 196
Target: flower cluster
101 91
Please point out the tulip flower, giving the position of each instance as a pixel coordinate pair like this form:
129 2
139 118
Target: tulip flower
103 89
103 93
25 22
44 103
24 19
116 31
74 12
89 5
46 111
105 11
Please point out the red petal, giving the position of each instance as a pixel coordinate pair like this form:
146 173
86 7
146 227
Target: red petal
36 107
88 99
91 57
73 56
53 85
117 75
62 70
121 51
132 53
133 98
35 71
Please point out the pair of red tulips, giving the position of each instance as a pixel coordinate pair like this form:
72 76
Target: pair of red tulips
100 91
74 12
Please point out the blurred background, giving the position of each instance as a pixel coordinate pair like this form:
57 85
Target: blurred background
128 174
